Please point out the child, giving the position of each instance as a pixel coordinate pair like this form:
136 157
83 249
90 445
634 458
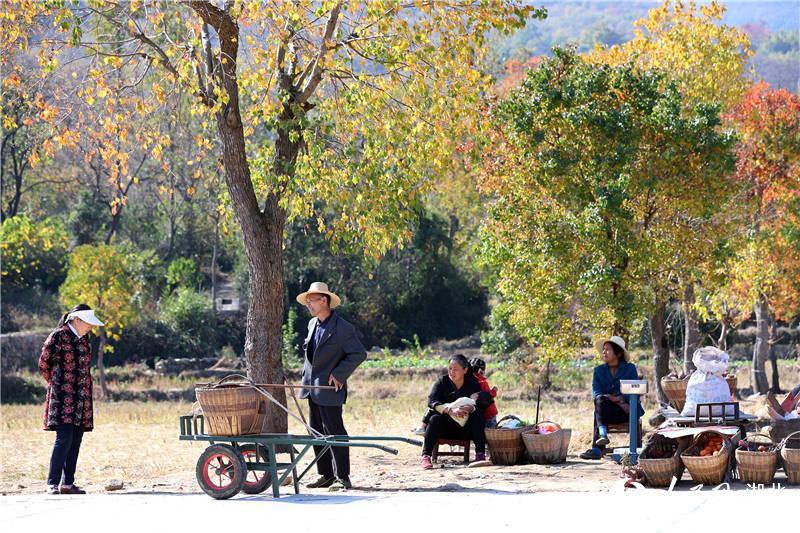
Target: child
478 368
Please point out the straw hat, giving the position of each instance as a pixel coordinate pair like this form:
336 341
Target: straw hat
617 340
319 288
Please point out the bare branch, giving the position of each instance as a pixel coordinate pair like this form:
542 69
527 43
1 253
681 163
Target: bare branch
324 47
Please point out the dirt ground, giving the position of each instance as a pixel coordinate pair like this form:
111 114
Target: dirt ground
136 442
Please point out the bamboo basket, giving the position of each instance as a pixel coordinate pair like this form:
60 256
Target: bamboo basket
505 445
753 466
660 471
790 454
545 449
232 409
709 470
675 389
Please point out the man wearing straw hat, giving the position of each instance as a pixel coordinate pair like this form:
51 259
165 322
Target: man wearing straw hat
332 352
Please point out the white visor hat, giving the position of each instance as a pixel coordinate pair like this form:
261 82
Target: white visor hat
87 316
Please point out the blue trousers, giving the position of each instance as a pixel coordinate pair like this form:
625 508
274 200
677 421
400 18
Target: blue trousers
65 454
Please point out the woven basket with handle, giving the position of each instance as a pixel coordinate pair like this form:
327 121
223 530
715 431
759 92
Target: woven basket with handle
711 469
547 448
232 406
505 445
753 466
790 454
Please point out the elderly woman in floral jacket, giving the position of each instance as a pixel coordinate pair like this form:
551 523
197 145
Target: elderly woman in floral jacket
64 364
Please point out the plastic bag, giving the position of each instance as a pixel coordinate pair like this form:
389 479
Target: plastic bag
707 384
711 360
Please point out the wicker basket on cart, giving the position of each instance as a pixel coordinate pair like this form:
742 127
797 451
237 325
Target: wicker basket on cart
675 389
790 454
547 448
505 445
753 466
232 408
660 460
710 469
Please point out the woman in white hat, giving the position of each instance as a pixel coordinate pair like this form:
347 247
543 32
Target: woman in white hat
64 364
610 406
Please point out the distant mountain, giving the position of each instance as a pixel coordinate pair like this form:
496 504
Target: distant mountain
774 29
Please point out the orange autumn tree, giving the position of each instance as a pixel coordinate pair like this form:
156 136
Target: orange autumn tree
342 114
764 275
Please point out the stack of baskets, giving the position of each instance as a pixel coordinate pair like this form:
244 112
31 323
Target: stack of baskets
758 463
660 459
708 469
232 408
505 444
546 448
675 389
790 455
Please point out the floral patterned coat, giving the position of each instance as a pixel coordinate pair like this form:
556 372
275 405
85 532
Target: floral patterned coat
64 364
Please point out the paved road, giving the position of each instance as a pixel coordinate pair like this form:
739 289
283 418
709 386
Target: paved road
423 512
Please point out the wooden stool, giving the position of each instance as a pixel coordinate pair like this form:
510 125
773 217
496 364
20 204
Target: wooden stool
452 442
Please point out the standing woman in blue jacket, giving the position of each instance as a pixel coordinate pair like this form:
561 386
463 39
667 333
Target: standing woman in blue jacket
610 405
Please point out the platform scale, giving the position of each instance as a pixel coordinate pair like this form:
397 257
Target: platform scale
636 388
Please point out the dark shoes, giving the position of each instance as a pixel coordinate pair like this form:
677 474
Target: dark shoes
591 454
72 489
340 484
322 482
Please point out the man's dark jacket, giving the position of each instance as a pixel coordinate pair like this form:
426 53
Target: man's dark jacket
338 352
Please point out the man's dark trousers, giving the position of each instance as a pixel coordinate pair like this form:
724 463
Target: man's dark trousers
328 420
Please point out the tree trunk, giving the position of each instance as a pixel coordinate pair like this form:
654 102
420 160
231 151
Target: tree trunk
722 343
773 355
660 349
691 335
761 348
101 368
262 231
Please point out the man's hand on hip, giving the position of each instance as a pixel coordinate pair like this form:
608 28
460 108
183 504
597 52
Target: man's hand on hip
335 382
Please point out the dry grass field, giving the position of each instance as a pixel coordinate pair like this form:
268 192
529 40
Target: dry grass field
137 442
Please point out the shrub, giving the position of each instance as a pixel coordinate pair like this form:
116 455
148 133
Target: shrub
183 272
189 314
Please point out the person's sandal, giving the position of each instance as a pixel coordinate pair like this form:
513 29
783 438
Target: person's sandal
591 454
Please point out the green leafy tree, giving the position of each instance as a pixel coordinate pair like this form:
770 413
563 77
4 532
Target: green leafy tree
33 254
103 277
599 177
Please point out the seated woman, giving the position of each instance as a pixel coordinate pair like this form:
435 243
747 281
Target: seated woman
458 383
610 406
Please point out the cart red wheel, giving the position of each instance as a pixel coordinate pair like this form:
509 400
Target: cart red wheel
221 471
256 481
